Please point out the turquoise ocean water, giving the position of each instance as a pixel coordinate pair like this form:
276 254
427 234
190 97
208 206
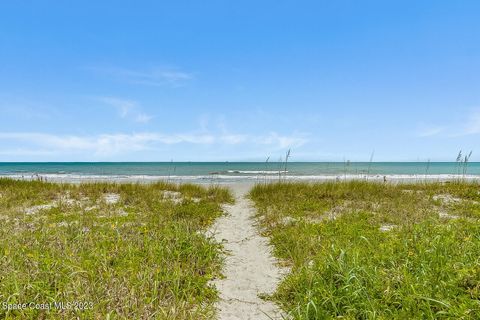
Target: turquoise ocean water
233 171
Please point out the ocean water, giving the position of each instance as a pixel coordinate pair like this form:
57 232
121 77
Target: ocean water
236 171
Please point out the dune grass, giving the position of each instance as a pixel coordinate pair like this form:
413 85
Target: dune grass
361 250
118 251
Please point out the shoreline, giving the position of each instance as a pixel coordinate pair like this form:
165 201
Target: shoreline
238 179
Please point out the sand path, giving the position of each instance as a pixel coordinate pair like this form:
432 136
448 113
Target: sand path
250 269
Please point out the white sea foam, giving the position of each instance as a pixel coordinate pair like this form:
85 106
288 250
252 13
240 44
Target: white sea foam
257 171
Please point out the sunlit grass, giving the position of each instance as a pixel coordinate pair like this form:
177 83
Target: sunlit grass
362 250
145 256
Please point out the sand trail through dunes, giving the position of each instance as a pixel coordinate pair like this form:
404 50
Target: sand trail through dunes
250 269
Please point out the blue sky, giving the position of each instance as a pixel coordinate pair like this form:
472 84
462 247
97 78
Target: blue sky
239 80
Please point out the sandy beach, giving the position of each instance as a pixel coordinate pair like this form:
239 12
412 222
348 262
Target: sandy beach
250 269
254 243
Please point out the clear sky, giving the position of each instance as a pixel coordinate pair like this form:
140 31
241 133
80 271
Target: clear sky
239 80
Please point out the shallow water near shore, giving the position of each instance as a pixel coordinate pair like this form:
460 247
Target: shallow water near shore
227 172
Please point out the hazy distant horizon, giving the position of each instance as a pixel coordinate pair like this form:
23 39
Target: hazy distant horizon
228 161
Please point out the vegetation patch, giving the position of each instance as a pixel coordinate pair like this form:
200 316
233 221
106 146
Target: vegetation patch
361 250
108 250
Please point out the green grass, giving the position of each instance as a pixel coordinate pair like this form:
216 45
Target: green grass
143 257
426 266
